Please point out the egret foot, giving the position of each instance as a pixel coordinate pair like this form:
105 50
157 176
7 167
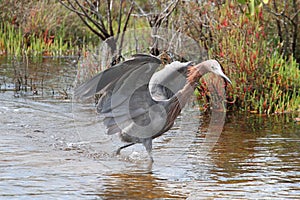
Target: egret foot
151 158
148 145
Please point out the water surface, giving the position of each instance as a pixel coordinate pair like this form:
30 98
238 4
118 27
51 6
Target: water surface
53 148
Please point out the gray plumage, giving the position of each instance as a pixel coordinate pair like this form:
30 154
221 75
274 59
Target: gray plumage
138 103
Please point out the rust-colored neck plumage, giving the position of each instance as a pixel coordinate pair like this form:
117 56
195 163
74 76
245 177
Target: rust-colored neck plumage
193 73
196 72
178 101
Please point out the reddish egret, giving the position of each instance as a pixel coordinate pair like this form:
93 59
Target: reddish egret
139 104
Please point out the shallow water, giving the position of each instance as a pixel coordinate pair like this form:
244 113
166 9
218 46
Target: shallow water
52 148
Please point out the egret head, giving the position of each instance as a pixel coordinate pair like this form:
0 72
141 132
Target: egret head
215 67
205 67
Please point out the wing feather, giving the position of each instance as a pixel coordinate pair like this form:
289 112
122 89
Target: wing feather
125 96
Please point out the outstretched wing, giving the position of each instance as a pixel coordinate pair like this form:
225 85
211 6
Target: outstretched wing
125 99
110 75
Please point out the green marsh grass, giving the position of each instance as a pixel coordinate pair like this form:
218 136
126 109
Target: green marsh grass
14 43
263 81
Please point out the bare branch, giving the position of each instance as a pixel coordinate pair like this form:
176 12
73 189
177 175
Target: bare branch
154 19
100 21
81 16
125 27
295 20
101 28
287 24
85 15
120 18
128 17
141 10
95 11
109 20
72 8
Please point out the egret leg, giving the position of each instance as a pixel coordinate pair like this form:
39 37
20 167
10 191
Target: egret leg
123 147
148 145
